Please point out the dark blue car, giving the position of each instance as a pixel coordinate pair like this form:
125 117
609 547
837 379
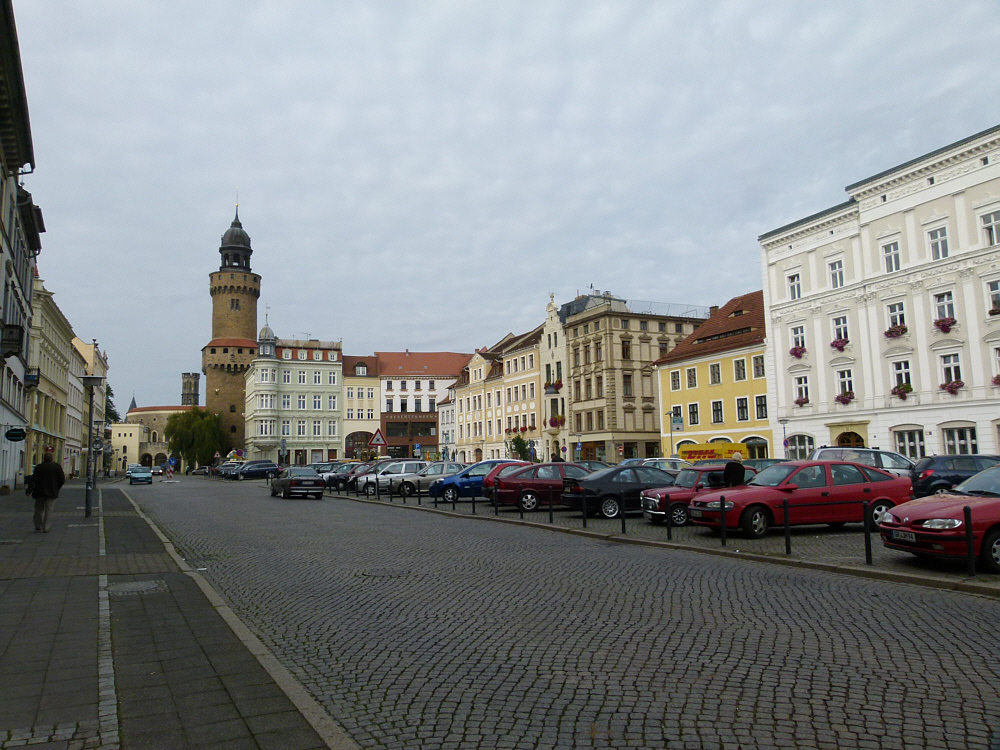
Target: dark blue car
466 483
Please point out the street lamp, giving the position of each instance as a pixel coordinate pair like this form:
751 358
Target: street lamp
784 439
90 382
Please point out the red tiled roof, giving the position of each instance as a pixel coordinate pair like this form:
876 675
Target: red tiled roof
723 331
423 364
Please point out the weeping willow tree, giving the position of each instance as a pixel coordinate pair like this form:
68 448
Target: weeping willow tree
195 435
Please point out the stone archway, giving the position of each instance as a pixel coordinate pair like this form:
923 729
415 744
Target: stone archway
850 440
356 444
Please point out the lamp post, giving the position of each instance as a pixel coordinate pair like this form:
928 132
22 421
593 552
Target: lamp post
784 439
90 382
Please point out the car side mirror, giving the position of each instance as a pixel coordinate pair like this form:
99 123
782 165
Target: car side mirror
700 486
788 487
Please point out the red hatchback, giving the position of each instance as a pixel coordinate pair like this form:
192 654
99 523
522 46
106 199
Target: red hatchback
530 487
828 492
934 526
672 501
501 469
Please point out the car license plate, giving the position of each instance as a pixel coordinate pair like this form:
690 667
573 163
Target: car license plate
694 513
904 536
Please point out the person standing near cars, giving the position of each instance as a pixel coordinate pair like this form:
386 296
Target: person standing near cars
45 482
733 474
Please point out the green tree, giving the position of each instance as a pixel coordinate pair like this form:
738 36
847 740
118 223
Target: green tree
195 435
520 448
111 414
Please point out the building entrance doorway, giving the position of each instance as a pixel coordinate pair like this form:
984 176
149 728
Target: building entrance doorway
850 440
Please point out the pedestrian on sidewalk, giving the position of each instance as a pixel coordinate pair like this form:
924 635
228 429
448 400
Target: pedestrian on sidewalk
44 485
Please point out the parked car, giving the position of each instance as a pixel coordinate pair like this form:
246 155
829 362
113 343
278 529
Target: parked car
140 475
938 473
386 476
466 483
411 484
199 471
513 464
934 526
631 461
672 501
337 479
592 465
530 487
220 470
257 469
894 463
818 492
613 490
131 467
298 481
762 463
667 464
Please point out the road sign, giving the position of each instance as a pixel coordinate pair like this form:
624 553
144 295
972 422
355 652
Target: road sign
218 455
378 439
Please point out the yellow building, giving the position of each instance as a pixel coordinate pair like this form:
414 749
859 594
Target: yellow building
713 385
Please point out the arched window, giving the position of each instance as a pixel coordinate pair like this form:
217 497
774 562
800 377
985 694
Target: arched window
154 437
799 447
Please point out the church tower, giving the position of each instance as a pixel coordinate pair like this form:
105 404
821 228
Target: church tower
227 357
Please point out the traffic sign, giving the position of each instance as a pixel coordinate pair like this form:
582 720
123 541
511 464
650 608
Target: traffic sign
378 439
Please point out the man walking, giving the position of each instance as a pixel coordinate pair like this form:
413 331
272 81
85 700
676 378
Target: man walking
46 481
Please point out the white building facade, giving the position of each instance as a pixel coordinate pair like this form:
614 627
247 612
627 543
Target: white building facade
884 311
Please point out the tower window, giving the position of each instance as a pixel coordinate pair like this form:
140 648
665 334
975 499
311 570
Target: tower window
234 304
233 428
232 408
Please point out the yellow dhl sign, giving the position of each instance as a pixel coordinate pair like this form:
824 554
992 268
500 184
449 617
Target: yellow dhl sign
699 451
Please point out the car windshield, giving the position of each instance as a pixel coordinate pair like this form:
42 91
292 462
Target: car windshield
984 483
772 476
302 471
598 475
687 478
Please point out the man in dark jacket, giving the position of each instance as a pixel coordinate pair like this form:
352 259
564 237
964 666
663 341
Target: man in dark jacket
46 481
734 474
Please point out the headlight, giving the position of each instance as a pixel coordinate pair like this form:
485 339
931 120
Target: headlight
942 523
717 505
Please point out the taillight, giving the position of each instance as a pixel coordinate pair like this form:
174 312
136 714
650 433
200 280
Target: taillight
925 473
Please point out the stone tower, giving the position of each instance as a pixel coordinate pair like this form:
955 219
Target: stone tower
227 357
190 382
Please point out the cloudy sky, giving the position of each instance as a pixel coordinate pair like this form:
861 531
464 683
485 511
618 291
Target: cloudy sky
423 174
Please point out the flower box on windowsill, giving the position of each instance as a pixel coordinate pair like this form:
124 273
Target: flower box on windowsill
952 386
945 324
797 351
801 401
995 311
894 332
996 381
902 391
839 344
844 398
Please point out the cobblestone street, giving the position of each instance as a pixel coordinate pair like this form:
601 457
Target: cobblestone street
418 630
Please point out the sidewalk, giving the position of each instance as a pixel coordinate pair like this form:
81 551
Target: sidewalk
108 640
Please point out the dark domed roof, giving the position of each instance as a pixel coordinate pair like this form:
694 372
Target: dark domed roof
236 235
266 334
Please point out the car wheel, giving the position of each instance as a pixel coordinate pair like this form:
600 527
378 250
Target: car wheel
318 496
754 522
286 494
451 494
679 514
369 489
406 489
610 507
878 511
989 552
274 492
528 502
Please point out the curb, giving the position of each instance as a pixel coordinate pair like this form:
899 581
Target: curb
325 726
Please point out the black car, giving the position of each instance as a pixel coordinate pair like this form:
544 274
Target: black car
298 481
936 473
258 469
614 490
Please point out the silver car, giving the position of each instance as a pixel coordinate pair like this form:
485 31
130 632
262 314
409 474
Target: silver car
388 476
411 484
894 463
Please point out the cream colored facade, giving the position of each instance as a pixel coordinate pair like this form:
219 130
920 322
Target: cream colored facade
362 404
96 364
913 246
612 343
125 441
552 355
51 351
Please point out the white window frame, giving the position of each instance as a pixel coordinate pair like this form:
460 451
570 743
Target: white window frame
891 256
944 305
896 312
836 268
794 286
937 242
840 330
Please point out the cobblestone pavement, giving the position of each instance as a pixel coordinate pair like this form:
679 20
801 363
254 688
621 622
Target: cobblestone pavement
420 630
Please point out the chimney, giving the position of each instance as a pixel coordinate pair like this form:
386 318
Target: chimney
713 310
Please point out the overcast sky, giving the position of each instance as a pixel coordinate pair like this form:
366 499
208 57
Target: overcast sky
423 174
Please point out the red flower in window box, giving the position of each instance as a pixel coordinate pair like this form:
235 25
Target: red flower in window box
797 351
524 429
944 324
839 344
952 386
801 401
894 332
844 398
902 390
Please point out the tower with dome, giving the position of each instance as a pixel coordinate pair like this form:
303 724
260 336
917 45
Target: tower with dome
225 360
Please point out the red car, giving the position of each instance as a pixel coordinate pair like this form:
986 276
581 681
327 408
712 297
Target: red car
934 526
817 491
673 500
502 468
530 487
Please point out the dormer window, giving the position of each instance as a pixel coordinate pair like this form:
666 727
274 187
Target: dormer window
361 370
